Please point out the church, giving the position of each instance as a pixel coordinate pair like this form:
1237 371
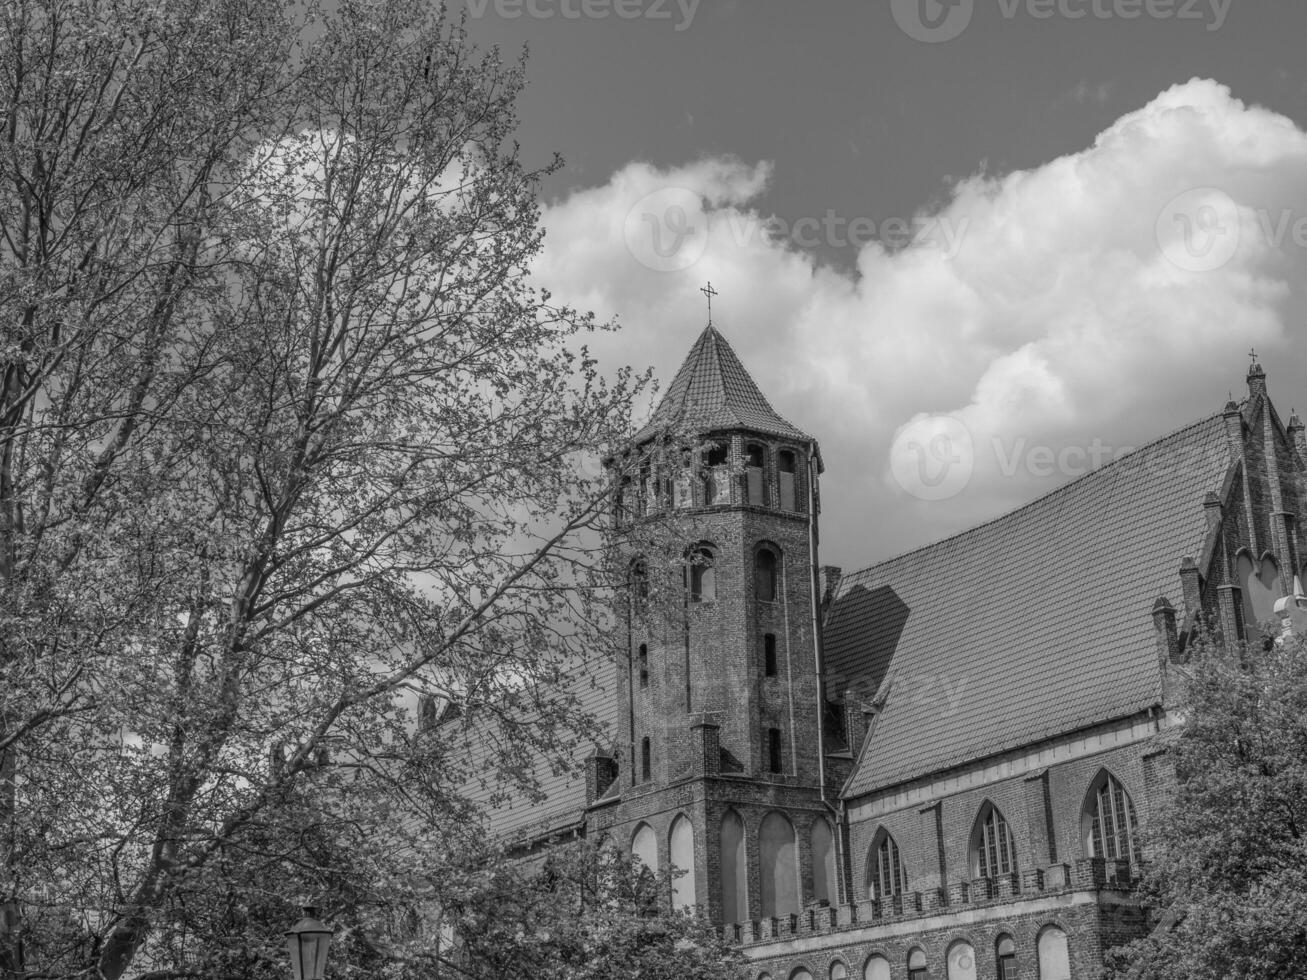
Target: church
860 782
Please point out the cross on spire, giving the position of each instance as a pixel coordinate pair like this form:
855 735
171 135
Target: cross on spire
1253 354
710 293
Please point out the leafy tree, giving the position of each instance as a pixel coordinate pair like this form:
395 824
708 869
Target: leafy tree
1229 854
287 438
583 911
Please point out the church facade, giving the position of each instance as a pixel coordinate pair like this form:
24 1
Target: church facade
860 782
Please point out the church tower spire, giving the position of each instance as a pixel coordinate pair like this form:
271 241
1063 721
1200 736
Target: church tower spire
721 748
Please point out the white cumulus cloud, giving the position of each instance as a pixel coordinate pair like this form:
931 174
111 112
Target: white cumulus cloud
1105 297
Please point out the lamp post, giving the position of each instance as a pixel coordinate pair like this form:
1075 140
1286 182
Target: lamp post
307 941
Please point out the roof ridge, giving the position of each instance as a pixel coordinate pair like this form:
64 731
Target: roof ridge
848 579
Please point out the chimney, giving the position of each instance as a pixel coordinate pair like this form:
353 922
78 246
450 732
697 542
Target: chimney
705 744
1168 641
1212 506
1191 586
600 772
829 582
857 719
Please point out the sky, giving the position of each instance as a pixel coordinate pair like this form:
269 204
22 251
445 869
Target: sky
976 248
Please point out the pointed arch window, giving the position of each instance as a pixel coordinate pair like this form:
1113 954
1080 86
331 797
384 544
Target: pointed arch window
1259 583
1108 822
992 850
702 574
765 575
716 487
787 480
885 876
644 845
754 468
779 860
734 883
822 843
681 848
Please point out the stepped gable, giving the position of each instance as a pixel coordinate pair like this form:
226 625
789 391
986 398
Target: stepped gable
1030 626
713 392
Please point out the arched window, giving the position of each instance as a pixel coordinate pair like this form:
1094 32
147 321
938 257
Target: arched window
785 479
714 475
801 973
917 965
838 971
779 866
885 876
1054 956
822 842
764 564
646 759
684 892
769 654
644 845
735 872
876 968
961 961
755 457
1005 952
644 665
639 585
1260 587
1108 820
992 850
702 574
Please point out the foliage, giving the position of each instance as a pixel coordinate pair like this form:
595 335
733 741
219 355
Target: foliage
288 438
581 912
1229 856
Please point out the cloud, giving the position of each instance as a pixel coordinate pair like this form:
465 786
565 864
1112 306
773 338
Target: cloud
1103 298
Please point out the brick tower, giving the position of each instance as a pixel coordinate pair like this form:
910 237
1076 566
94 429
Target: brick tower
719 763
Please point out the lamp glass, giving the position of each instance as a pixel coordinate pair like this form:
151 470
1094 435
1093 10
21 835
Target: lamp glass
307 943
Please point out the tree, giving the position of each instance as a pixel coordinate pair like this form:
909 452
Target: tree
1229 864
584 911
287 436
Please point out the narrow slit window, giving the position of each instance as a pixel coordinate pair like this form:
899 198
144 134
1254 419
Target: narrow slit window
769 655
774 750
644 665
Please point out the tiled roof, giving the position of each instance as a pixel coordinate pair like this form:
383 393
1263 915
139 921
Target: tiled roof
712 391
1032 625
595 687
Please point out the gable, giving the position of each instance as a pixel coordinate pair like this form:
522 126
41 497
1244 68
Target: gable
1032 625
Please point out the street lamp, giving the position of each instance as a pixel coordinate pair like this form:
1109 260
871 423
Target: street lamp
307 941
